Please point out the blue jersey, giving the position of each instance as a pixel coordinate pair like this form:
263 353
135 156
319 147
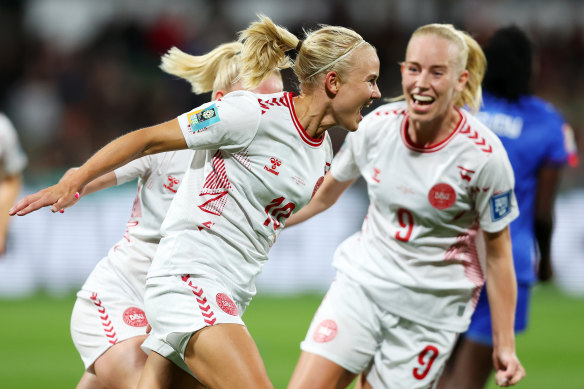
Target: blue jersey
534 135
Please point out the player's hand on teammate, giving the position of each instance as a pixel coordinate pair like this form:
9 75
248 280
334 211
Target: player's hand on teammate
508 369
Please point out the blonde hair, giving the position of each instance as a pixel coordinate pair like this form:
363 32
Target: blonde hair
216 70
470 57
265 45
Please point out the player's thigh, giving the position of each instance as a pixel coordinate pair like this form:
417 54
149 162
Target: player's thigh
315 371
159 372
121 365
225 356
411 356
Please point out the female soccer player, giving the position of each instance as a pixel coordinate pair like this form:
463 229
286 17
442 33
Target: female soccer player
538 142
108 323
12 163
265 156
407 282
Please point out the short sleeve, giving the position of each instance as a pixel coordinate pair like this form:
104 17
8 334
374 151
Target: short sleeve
13 158
134 169
344 167
347 162
228 124
495 199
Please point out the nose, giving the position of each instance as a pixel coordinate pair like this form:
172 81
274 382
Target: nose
422 81
376 93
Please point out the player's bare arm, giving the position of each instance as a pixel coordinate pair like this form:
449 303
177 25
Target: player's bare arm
151 140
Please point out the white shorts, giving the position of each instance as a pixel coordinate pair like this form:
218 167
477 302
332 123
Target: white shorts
356 334
178 306
105 315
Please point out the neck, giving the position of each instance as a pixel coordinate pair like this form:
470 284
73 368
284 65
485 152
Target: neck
313 114
428 134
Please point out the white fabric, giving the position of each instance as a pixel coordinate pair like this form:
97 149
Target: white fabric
12 158
224 221
416 253
358 335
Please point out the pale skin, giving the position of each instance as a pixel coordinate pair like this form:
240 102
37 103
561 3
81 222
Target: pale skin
121 365
223 355
9 190
431 80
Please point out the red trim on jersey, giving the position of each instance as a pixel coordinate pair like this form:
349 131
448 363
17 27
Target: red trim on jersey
432 148
305 137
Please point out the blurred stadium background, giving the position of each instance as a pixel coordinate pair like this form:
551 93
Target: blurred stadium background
75 74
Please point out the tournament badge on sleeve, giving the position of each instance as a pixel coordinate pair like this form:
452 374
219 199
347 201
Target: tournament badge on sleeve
500 205
203 118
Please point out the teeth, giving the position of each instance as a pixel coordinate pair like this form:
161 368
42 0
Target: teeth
424 99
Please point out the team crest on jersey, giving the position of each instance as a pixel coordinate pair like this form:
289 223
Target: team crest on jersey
203 118
273 165
442 196
226 304
135 317
500 205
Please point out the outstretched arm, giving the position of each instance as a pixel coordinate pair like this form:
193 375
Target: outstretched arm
151 140
502 294
328 194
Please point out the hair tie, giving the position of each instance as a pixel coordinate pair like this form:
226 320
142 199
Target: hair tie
299 45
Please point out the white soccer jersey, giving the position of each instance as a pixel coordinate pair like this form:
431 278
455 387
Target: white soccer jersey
159 177
260 167
12 158
416 253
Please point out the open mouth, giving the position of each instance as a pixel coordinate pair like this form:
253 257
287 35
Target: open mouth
422 100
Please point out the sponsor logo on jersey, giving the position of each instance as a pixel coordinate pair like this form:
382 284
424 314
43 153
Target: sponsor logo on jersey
500 205
203 118
170 185
326 331
442 196
274 164
135 317
226 304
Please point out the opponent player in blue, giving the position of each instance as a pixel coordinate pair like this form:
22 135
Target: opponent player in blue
539 142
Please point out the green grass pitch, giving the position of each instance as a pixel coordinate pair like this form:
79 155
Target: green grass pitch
36 349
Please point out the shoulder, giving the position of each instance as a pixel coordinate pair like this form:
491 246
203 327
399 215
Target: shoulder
385 115
240 98
478 136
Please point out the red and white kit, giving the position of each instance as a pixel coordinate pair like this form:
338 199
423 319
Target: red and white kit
110 305
417 256
260 167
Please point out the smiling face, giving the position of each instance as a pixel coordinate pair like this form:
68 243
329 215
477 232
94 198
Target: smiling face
357 88
431 77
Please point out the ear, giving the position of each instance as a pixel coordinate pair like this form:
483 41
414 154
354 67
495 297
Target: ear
462 80
332 82
219 94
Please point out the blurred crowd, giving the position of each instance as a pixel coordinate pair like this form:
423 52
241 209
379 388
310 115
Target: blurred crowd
75 74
